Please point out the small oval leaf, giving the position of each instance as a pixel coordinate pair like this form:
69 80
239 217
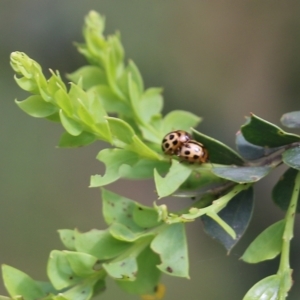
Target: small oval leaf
267 245
291 157
291 119
177 174
36 107
171 245
242 174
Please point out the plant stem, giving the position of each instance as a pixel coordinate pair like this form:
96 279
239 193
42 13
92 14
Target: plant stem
284 267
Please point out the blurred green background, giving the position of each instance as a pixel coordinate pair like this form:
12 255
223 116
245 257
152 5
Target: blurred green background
219 60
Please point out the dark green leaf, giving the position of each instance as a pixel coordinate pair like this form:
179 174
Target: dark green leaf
91 76
291 119
236 214
35 106
242 174
262 133
177 174
291 157
283 190
219 153
67 237
70 141
171 245
267 245
147 276
249 151
100 244
18 283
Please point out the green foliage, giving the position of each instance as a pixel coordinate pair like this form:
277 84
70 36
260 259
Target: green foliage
107 101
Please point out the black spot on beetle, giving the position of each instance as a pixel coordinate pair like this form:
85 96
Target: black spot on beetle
187 152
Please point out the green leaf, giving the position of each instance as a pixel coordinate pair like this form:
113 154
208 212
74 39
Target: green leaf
179 119
151 104
291 157
63 101
125 269
91 76
242 174
100 244
143 169
54 118
249 151
237 214
120 130
54 84
142 149
147 276
70 141
35 106
18 283
145 217
267 245
119 209
219 153
67 237
136 76
60 272
177 174
171 245
110 101
28 85
200 178
262 133
269 287
82 264
113 160
291 119
71 126
123 233
83 291
283 190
